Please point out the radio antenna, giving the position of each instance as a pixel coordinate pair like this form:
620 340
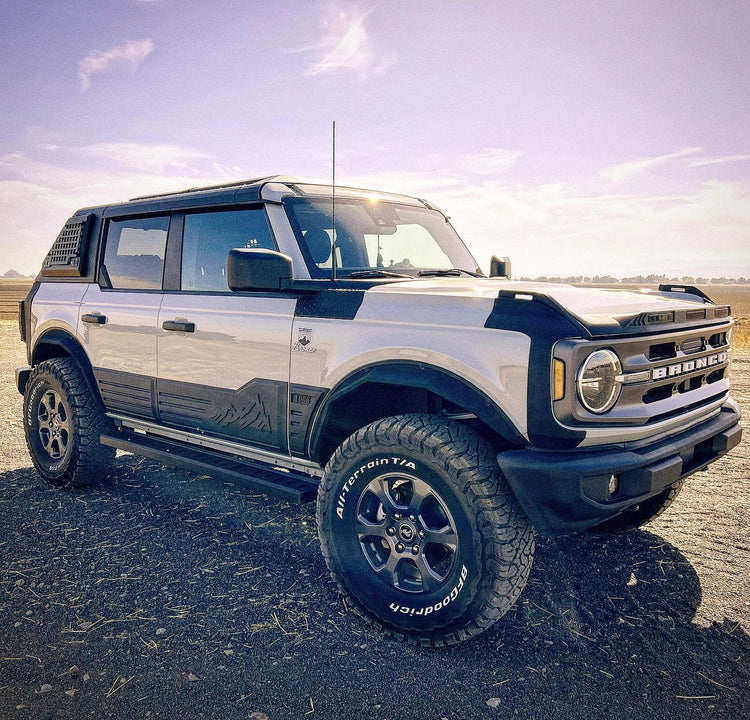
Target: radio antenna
333 206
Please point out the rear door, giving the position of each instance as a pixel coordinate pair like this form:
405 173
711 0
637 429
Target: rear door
117 323
223 357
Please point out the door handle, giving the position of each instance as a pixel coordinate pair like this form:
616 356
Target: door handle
94 318
178 326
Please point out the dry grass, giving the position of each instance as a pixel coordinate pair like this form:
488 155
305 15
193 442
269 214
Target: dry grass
11 291
162 593
738 297
741 335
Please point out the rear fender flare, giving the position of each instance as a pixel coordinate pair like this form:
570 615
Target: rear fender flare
56 343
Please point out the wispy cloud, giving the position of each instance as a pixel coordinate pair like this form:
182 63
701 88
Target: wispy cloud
628 170
131 54
551 228
145 157
492 161
346 47
105 172
718 160
38 192
559 229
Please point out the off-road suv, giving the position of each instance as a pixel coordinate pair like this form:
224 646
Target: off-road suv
344 345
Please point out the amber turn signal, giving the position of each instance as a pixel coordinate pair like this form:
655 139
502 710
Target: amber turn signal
559 371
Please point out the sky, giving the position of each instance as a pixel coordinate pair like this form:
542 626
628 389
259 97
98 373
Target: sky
577 138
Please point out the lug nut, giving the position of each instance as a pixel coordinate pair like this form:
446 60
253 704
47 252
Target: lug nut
396 516
415 549
391 531
421 534
399 547
412 518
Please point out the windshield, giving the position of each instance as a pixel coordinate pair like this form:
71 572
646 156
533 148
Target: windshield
376 238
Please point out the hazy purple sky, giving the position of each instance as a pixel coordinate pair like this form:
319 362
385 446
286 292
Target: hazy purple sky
575 137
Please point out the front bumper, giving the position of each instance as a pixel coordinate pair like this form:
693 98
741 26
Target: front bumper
565 491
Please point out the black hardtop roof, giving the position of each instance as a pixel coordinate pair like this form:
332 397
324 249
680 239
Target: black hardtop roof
241 191
233 193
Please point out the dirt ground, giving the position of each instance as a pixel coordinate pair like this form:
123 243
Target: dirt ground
162 594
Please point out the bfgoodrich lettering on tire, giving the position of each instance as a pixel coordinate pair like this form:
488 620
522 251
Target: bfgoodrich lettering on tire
63 420
420 530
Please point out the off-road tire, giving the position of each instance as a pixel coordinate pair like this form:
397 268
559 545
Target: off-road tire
63 420
415 479
647 511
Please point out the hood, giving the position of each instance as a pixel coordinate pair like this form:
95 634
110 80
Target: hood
600 311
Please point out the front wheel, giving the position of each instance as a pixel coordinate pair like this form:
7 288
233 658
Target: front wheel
420 530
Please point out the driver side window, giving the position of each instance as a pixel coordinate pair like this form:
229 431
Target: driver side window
207 239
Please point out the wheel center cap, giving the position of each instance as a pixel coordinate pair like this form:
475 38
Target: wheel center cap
406 532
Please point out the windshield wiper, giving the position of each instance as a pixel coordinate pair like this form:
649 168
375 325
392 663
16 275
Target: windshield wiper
452 272
374 273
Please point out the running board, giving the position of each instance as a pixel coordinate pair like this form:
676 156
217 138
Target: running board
287 485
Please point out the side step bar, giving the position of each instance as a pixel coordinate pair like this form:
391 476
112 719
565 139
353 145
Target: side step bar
289 486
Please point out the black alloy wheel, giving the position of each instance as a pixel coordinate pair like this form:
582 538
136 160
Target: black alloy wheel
420 530
63 421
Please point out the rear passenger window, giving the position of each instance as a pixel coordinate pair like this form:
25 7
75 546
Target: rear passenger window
208 238
134 252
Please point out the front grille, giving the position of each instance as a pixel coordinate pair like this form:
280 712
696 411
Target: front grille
662 376
692 345
662 351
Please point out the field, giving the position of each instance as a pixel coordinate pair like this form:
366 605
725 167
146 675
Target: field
738 296
166 594
11 291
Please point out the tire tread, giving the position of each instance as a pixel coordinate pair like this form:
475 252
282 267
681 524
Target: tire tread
506 534
90 461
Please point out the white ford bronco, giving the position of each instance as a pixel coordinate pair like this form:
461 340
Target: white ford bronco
341 344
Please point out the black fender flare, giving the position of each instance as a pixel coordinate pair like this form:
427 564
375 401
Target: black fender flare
69 346
413 374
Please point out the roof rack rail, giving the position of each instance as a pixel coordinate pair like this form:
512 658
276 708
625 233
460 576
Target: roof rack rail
222 186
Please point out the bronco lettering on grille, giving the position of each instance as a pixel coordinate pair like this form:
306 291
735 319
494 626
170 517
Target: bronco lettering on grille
669 371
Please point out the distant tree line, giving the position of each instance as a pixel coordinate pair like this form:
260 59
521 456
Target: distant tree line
13 275
584 279
640 280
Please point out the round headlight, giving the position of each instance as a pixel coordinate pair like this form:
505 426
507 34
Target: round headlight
598 386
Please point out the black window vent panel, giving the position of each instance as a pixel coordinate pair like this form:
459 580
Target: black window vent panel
66 256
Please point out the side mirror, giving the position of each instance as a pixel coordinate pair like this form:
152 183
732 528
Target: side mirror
257 269
500 268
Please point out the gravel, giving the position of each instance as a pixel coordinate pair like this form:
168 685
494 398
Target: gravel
163 594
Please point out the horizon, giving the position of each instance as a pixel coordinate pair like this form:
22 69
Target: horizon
597 279
578 139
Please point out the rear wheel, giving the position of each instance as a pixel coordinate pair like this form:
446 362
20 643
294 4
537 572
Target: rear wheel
647 511
420 530
63 420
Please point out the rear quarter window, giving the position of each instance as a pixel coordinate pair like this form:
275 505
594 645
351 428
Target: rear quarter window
134 252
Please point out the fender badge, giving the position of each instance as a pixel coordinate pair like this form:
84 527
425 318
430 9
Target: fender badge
304 341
